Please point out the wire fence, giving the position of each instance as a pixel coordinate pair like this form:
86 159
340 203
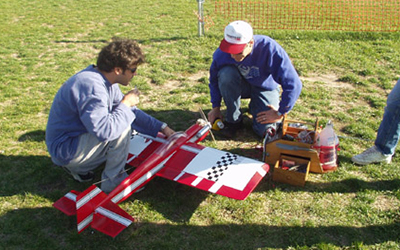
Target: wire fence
342 15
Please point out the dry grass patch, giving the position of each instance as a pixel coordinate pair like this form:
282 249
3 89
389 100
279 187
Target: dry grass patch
385 203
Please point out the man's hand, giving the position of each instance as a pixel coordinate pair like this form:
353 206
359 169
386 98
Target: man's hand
167 131
270 116
214 114
131 98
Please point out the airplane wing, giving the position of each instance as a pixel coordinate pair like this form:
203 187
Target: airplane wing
202 167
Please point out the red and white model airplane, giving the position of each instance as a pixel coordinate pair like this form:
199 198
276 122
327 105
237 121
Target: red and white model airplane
177 158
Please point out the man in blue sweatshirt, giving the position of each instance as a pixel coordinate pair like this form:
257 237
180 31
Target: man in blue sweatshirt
255 67
90 120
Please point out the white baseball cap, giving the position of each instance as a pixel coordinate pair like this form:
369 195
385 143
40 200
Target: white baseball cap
237 34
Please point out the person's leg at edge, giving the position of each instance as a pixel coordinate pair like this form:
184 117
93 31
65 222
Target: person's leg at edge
388 133
260 99
389 129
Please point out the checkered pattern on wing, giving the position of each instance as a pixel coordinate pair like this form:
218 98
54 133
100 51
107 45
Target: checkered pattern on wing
221 166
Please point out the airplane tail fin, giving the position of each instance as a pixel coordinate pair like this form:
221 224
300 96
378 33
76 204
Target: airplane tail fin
111 219
91 210
106 217
67 203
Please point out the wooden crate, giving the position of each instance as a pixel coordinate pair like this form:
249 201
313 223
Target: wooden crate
292 176
274 149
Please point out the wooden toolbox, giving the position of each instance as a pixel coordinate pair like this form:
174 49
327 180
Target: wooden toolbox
291 170
290 146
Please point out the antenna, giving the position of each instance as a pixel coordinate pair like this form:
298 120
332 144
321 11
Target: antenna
205 118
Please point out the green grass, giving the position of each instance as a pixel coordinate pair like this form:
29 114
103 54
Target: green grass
347 77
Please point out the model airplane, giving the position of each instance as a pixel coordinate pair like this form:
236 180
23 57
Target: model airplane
177 158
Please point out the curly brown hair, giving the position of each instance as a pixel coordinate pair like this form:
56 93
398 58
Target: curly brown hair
121 53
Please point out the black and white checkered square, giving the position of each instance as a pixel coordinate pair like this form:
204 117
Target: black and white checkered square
221 166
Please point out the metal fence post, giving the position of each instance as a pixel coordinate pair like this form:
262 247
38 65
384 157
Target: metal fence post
200 17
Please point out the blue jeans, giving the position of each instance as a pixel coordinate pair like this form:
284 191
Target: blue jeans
389 129
234 87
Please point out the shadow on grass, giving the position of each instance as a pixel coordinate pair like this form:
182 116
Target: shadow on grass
82 41
36 135
47 228
351 185
140 41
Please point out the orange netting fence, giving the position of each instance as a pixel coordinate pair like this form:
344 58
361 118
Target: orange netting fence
344 15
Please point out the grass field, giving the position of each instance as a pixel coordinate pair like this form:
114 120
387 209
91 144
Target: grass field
346 76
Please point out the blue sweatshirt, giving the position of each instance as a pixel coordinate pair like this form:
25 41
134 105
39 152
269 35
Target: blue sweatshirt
266 66
89 103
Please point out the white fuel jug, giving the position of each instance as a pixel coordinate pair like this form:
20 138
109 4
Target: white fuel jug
327 145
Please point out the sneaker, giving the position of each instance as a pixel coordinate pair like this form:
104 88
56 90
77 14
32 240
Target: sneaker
230 129
89 176
371 155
